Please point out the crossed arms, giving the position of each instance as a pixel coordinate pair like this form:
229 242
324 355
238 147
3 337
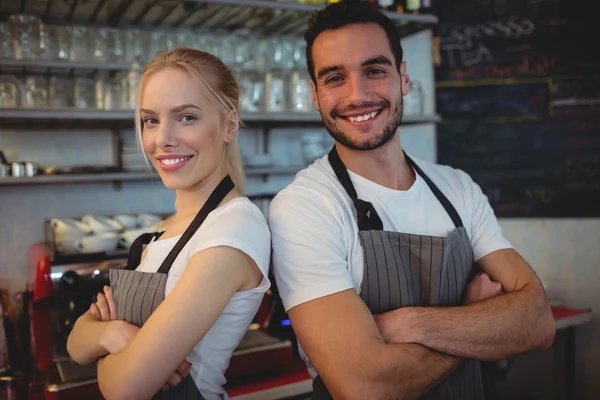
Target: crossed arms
406 352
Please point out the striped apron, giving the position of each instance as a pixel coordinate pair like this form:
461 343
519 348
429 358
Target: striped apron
406 270
137 294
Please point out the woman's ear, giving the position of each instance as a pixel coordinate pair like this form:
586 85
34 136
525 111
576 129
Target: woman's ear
232 128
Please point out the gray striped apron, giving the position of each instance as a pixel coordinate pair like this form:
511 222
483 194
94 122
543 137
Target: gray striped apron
137 294
406 270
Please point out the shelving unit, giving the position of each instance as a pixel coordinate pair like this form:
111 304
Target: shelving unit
265 16
269 17
127 115
123 177
9 65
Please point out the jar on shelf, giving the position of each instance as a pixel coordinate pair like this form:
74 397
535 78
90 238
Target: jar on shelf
300 91
60 92
26 36
414 100
6 46
9 92
85 93
34 92
82 44
275 85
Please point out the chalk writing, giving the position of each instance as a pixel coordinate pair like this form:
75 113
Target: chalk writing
464 45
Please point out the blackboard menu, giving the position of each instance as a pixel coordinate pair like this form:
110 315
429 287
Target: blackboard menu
515 39
529 169
493 101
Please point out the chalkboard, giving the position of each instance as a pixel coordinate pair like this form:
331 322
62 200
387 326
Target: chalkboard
529 169
517 39
493 101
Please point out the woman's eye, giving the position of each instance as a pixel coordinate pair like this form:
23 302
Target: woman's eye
150 121
188 118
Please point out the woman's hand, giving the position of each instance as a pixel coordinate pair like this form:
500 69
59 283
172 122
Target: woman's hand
104 309
119 334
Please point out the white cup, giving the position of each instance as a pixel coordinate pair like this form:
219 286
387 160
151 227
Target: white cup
128 221
97 243
100 224
128 237
146 220
68 228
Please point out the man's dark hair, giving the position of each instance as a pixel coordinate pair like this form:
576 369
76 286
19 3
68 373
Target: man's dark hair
347 12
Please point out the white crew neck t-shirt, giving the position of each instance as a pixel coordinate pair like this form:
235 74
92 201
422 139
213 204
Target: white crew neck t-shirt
316 246
315 237
241 225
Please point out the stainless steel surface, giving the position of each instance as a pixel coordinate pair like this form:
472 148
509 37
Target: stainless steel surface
59 387
17 170
83 178
63 65
122 177
85 270
127 115
211 14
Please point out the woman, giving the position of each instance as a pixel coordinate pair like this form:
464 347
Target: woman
211 262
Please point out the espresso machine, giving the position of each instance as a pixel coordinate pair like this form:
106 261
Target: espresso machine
65 287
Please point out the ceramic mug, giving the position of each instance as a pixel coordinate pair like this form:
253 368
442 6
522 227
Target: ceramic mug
97 243
128 221
100 224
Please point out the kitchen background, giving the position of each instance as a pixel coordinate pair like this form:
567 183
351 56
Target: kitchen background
501 89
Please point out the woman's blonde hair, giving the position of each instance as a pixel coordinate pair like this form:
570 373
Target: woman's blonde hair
220 86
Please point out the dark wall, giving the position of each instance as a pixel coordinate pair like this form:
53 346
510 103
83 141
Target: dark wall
518 87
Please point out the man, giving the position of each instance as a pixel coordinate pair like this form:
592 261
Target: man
374 253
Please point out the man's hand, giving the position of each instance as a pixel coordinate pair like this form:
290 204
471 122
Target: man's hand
399 326
119 334
481 288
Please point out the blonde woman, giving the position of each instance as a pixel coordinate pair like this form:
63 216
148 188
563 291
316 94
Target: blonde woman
172 317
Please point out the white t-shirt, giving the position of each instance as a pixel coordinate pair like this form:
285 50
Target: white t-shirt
316 245
241 225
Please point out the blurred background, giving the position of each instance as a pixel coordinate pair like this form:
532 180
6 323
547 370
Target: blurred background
506 90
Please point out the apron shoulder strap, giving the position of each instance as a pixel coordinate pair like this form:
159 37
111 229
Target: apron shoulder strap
213 201
137 247
366 215
438 194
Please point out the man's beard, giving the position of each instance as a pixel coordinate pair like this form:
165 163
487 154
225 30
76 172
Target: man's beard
372 143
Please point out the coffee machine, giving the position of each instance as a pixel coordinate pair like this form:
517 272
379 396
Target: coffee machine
65 287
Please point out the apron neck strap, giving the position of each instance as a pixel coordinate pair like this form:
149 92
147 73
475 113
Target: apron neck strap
137 247
438 194
367 216
213 201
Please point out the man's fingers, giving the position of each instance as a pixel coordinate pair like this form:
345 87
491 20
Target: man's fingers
112 307
184 369
174 379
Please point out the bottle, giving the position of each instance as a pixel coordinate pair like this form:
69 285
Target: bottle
426 7
386 4
400 6
413 6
